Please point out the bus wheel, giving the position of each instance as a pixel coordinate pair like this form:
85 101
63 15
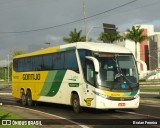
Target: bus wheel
23 99
29 98
76 105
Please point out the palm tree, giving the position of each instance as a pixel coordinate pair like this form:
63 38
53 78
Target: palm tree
74 36
107 37
136 34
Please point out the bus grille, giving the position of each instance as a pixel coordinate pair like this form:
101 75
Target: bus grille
121 98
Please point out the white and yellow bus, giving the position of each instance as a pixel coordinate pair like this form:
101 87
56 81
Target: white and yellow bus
95 75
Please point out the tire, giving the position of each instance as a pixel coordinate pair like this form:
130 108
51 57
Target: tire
23 99
76 104
29 98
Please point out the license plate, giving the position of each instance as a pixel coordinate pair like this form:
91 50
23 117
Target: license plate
121 104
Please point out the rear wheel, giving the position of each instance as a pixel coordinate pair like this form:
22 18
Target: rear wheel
29 98
23 99
76 104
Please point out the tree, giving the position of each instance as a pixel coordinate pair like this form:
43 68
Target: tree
16 53
110 38
74 36
136 34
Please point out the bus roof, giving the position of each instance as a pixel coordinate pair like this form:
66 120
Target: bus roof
99 47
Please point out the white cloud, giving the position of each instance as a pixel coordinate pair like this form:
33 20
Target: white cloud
3 63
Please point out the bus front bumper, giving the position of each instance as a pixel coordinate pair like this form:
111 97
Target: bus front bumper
102 103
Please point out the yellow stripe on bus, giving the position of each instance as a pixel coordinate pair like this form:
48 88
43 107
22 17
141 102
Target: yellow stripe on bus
113 94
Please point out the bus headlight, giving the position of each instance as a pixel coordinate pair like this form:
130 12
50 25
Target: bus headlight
136 96
100 94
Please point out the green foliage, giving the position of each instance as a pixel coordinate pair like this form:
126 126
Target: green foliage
16 53
7 115
2 73
75 36
136 34
4 115
110 38
150 89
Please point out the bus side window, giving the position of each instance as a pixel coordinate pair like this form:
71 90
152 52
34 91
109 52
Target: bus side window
37 66
15 64
47 62
90 72
71 61
27 64
82 54
20 65
58 61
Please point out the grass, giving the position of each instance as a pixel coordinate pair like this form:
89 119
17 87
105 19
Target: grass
4 115
150 89
5 83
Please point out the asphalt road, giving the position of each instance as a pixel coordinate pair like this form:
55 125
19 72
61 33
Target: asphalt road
96 118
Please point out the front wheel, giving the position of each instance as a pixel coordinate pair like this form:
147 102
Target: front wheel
76 104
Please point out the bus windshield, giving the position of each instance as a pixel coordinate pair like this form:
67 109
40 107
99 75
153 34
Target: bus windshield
117 71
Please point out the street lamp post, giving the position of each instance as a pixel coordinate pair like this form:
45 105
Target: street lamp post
84 16
5 74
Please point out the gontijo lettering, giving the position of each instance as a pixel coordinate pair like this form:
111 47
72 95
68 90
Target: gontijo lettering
31 77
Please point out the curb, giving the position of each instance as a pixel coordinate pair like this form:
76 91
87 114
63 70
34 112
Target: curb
150 93
5 94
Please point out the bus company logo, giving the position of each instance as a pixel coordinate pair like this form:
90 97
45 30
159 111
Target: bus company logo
115 94
88 101
31 76
73 78
6 122
16 77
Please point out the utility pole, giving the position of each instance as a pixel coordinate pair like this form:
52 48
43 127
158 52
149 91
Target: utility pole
8 68
84 16
5 74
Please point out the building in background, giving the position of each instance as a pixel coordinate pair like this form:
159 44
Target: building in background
154 51
146 49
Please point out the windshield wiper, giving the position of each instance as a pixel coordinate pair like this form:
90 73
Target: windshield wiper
120 73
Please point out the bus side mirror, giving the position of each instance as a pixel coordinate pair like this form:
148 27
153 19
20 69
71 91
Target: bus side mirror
95 62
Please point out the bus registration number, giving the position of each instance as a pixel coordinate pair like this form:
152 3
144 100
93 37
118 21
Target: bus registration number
121 104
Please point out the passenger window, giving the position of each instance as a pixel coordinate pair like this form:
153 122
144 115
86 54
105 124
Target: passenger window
37 63
71 61
47 62
15 64
90 72
58 61
20 65
27 64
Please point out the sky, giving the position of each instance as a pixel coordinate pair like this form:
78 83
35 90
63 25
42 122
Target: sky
28 24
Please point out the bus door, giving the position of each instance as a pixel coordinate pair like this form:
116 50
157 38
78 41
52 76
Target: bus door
89 99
